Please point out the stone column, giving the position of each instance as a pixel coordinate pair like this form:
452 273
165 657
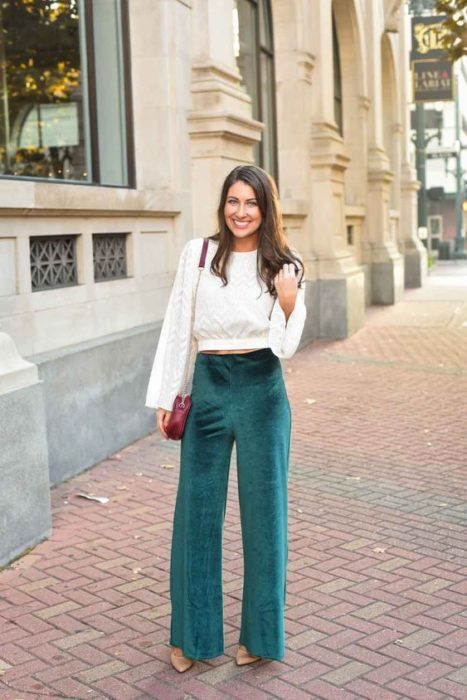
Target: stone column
410 245
24 475
379 244
222 131
294 68
160 41
340 279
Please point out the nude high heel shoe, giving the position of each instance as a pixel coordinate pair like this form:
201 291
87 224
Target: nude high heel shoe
178 661
244 657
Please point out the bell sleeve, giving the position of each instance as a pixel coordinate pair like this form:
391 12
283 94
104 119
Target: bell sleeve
176 347
284 335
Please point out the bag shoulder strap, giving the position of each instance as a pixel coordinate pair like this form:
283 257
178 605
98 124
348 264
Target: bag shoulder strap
202 257
201 264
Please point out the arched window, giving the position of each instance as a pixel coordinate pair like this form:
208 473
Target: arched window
254 51
338 111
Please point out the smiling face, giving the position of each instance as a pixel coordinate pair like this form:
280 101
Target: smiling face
241 211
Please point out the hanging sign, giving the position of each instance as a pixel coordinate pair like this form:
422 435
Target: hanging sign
432 80
431 69
427 37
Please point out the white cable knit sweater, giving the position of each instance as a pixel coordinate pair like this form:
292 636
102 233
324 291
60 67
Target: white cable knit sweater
239 316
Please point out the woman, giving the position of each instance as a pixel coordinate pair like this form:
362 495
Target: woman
249 312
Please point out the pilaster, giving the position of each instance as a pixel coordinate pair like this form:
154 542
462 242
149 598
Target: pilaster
294 71
410 245
221 129
340 279
380 245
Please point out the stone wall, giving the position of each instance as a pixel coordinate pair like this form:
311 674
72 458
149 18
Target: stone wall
25 517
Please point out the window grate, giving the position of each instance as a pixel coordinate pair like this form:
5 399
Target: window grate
109 255
53 262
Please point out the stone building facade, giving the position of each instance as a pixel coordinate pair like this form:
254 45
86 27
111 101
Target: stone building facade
94 215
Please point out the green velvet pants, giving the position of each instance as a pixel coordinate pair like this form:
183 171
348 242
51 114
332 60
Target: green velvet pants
241 398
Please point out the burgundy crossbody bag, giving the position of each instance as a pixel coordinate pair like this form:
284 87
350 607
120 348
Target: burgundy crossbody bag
182 402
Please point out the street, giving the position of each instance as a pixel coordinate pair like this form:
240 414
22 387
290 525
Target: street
377 584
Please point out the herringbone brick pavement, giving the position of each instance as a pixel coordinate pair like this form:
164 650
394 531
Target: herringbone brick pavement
377 585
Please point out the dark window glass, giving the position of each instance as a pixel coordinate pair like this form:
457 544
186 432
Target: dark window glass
265 28
246 49
268 143
338 112
110 83
41 110
109 253
53 262
254 51
63 106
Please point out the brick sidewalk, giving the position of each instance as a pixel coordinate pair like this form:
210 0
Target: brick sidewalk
377 587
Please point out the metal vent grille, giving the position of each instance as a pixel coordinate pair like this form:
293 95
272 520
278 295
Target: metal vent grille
109 254
53 262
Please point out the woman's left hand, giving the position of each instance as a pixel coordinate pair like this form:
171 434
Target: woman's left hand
286 286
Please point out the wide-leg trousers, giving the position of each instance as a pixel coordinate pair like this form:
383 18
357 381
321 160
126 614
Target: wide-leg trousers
237 398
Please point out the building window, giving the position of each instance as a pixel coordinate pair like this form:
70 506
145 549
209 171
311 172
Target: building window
109 255
254 51
64 110
53 262
338 111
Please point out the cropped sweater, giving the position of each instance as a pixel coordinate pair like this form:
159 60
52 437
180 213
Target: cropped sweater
238 316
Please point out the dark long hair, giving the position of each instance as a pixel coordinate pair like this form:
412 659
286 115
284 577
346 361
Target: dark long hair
273 247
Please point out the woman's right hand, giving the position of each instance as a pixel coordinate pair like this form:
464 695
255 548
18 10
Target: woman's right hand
162 418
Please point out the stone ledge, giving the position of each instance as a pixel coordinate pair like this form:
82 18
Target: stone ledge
15 372
18 198
96 342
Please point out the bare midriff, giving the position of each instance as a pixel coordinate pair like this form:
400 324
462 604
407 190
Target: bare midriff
226 352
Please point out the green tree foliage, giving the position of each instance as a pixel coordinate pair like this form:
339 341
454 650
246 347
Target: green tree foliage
41 48
455 41
39 65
